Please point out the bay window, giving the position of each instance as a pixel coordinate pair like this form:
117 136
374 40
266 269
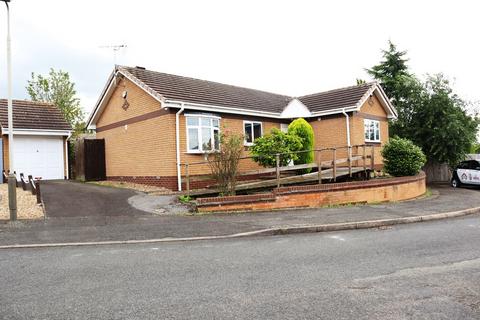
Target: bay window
203 133
251 130
372 130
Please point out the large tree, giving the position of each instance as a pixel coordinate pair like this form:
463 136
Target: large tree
429 113
57 88
390 71
442 127
400 85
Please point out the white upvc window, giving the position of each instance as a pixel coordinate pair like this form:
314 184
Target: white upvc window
251 131
372 130
203 133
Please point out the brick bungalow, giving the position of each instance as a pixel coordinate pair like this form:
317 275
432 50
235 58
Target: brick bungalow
152 121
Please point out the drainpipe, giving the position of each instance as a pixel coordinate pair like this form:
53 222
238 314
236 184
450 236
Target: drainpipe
347 118
348 126
66 155
177 140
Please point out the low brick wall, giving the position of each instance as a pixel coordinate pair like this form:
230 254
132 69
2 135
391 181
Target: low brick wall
310 196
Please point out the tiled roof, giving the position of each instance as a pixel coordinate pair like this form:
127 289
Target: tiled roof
192 90
33 115
207 92
335 99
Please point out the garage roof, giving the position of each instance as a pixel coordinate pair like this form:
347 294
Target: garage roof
33 115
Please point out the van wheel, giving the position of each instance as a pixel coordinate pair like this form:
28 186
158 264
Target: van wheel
455 183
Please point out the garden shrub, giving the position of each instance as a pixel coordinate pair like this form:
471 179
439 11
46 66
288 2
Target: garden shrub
402 158
224 162
302 129
264 148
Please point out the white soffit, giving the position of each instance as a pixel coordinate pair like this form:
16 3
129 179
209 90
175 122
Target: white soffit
295 109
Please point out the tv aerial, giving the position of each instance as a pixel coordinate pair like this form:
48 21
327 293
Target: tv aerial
115 48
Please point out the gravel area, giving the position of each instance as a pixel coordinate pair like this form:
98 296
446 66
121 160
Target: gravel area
159 204
134 186
27 207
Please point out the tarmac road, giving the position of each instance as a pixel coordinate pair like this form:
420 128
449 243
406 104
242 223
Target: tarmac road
429 270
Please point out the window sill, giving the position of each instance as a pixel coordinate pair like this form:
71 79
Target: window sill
200 152
373 142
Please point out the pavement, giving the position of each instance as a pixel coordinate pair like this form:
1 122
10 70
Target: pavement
425 271
137 225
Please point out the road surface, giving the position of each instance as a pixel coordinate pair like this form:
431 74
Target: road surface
418 271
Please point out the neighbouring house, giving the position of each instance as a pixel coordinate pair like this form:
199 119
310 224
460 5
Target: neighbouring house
40 135
152 122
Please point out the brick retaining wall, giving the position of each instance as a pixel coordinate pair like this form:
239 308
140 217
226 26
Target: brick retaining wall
372 191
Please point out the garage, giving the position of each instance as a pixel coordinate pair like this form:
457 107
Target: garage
40 156
40 136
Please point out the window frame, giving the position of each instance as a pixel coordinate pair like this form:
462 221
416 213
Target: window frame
375 128
199 127
245 143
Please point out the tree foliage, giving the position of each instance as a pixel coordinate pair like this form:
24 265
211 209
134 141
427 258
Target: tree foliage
442 127
402 158
224 162
57 88
302 129
265 148
429 113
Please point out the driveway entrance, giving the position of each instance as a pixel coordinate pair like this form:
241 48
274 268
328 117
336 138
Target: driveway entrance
75 199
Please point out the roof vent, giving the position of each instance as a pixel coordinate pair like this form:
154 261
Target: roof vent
141 68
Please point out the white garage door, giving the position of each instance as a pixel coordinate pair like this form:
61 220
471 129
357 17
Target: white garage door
40 156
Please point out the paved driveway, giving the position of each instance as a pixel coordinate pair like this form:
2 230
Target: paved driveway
76 199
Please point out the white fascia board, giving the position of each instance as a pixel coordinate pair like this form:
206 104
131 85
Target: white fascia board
377 90
219 109
99 105
366 96
334 111
295 109
39 132
383 97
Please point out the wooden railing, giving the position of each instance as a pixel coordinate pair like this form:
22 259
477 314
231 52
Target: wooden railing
354 153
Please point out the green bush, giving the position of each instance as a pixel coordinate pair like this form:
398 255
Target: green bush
402 158
302 129
223 163
264 148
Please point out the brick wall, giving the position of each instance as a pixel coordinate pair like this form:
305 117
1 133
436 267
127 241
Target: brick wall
381 190
330 131
371 107
144 150
140 140
229 122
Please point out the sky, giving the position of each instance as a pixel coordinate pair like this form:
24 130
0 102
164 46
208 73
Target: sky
288 47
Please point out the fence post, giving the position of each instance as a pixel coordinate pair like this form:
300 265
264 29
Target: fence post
37 187
319 161
334 165
187 179
350 161
364 157
277 160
